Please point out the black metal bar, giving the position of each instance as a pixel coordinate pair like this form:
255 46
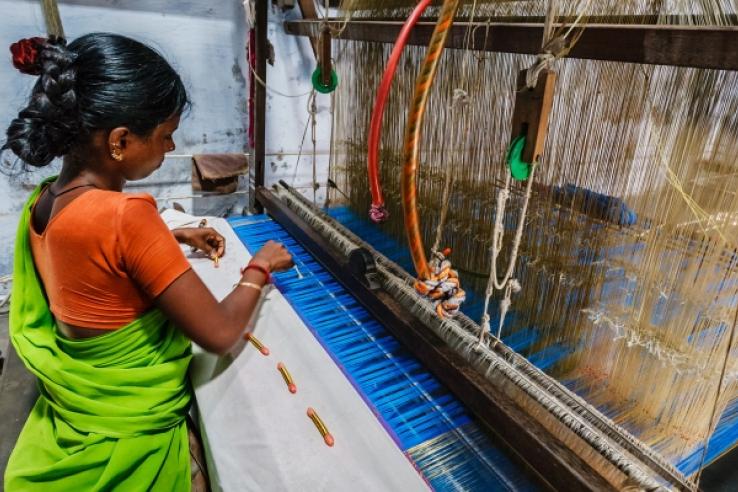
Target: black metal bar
257 168
527 438
684 46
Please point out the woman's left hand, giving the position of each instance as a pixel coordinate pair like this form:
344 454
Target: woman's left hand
205 239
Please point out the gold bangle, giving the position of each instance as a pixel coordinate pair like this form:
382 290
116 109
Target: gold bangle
250 284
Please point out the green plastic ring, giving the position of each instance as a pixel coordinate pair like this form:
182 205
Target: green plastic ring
318 84
520 170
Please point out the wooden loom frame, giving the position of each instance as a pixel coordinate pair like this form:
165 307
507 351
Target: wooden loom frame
680 46
534 445
542 445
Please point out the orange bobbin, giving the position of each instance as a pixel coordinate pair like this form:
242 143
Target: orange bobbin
256 343
287 377
327 437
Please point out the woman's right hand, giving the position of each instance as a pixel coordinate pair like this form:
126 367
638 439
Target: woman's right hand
274 257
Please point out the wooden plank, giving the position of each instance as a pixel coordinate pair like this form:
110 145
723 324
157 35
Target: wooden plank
308 12
683 46
52 18
530 441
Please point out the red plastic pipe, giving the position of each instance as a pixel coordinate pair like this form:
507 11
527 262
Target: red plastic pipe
378 213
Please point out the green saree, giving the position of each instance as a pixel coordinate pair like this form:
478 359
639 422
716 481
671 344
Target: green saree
111 411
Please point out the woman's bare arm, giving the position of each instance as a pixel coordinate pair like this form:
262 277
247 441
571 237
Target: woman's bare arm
213 325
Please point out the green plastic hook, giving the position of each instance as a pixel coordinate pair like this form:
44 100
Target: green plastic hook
318 83
520 170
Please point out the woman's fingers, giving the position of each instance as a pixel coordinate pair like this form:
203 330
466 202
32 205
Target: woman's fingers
216 243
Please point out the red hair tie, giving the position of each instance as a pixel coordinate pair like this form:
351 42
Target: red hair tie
26 55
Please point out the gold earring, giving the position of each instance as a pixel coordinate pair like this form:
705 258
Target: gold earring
116 154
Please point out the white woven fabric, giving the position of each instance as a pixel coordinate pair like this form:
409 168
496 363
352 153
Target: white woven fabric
257 435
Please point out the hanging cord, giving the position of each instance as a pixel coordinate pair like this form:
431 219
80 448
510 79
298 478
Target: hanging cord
313 120
436 280
275 91
311 117
448 183
552 47
508 283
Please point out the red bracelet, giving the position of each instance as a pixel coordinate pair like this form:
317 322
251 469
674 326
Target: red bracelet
253 266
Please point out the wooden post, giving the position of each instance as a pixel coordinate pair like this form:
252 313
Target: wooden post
52 18
257 168
325 56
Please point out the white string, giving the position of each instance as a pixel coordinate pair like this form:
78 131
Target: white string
310 119
553 48
460 99
508 283
275 91
313 113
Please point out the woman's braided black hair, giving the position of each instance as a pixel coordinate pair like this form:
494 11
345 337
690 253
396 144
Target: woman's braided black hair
99 81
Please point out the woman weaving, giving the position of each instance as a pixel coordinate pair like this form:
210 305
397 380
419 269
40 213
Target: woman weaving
104 301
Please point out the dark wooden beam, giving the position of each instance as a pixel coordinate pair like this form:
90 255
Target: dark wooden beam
503 409
257 168
682 46
308 13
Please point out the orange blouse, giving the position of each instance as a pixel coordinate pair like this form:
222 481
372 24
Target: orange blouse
105 257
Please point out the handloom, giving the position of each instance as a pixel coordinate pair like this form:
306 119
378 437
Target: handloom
613 348
348 370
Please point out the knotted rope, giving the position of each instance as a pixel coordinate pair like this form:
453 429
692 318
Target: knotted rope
442 287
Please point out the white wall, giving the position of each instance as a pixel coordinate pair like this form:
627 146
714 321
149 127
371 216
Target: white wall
205 40
287 117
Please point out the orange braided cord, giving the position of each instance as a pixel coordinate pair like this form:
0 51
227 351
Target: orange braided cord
412 136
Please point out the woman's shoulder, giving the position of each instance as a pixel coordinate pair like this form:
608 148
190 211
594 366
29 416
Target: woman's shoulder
118 198
123 203
126 197
122 211
136 207
137 200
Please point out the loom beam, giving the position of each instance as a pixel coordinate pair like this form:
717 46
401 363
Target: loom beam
709 47
542 443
